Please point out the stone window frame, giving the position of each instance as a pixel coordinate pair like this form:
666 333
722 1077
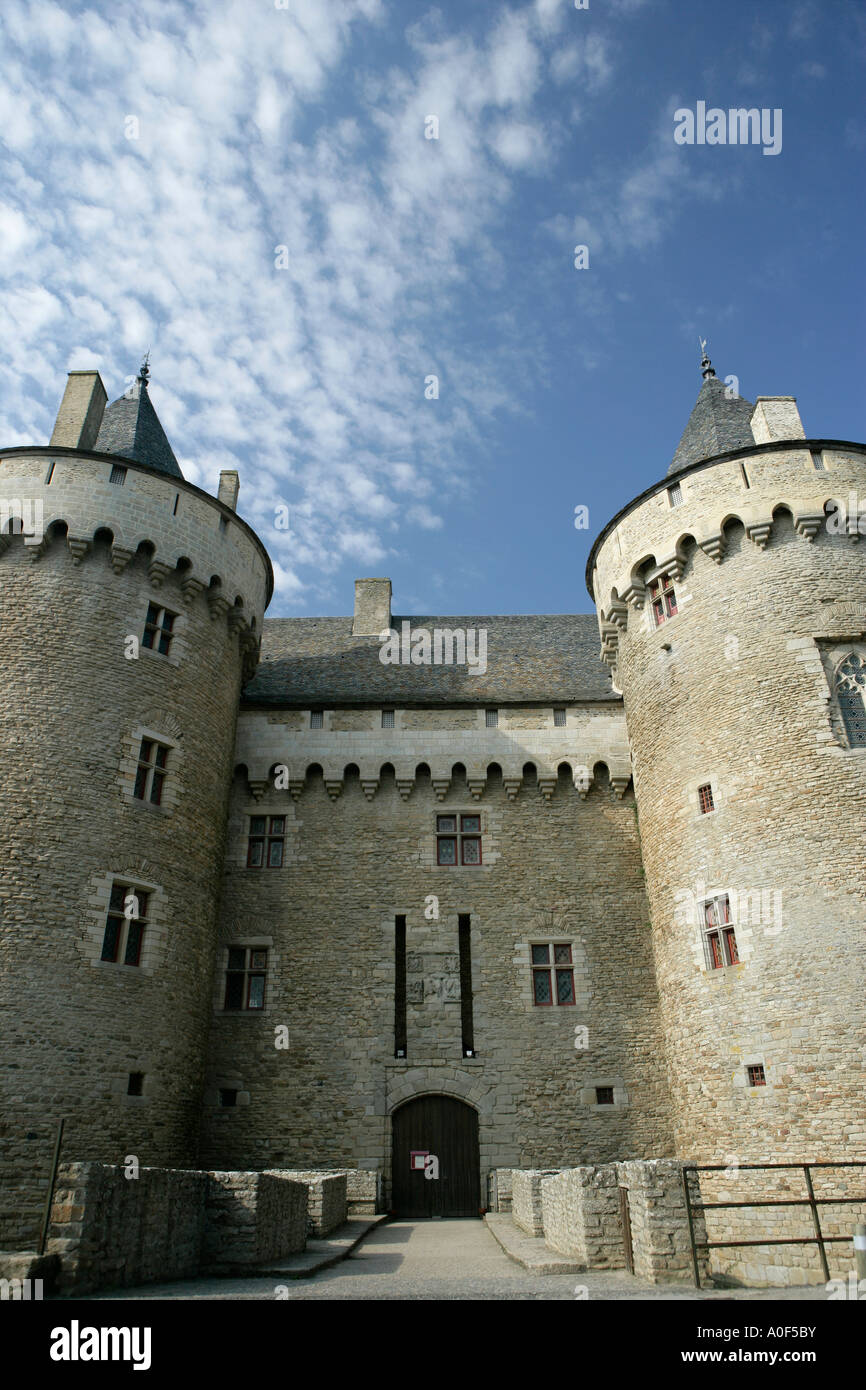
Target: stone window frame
552 966
858 748
663 576
833 653
248 940
267 838
555 928
155 938
588 1099
722 928
178 647
744 937
156 732
459 836
693 800
247 972
225 1081
753 1057
240 815
675 488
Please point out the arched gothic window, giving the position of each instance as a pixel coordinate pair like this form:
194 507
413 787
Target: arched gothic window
851 694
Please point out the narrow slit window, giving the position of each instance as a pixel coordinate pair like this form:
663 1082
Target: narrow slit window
51 468
400 987
176 500
464 936
745 475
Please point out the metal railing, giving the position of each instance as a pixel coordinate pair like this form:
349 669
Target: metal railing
810 1201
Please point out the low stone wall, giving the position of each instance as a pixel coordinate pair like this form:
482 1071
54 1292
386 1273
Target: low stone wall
526 1208
252 1217
661 1247
326 1198
580 1213
363 1190
112 1231
499 1189
780 1265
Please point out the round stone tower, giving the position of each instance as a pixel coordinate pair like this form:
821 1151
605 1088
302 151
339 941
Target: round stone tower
131 605
732 607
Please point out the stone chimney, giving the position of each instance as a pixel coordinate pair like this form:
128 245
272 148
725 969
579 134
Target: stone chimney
372 607
776 417
81 411
230 486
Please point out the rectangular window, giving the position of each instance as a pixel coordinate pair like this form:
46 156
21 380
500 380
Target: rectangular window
705 798
151 771
745 475
663 599
158 629
604 1095
491 718
266 842
224 525
387 719
176 500
818 463
228 1099
51 468
458 840
399 986
464 928
552 973
125 925
135 1085
316 719
675 495
559 718
720 941
246 974
118 474
756 1075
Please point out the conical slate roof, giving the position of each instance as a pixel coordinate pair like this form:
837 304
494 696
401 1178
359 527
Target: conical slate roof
716 425
130 427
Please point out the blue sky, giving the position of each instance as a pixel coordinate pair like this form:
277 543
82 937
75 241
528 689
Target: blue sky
156 155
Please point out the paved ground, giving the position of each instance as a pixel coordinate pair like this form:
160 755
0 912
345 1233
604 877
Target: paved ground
439 1260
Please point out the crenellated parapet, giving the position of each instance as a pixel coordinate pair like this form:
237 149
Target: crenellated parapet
592 752
819 484
63 497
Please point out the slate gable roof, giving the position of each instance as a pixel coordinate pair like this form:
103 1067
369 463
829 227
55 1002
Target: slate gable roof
549 659
715 425
130 427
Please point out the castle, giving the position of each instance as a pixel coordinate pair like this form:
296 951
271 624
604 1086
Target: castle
271 900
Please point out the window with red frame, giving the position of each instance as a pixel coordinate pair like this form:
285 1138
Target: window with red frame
756 1075
125 926
458 840
246 973
663 599
150 775
720 942
552 973
705 798
266 841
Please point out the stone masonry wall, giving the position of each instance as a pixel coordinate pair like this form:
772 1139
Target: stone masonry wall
113 1231
661 1246
73 712
326 1199
500 1189
526 1199
580 1215
252 1217
355 858
736 692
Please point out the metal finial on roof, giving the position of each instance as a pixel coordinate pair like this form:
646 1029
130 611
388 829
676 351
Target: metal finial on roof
706 365
144 374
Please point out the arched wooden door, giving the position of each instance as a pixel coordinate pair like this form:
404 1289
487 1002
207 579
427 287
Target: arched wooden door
447 1130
